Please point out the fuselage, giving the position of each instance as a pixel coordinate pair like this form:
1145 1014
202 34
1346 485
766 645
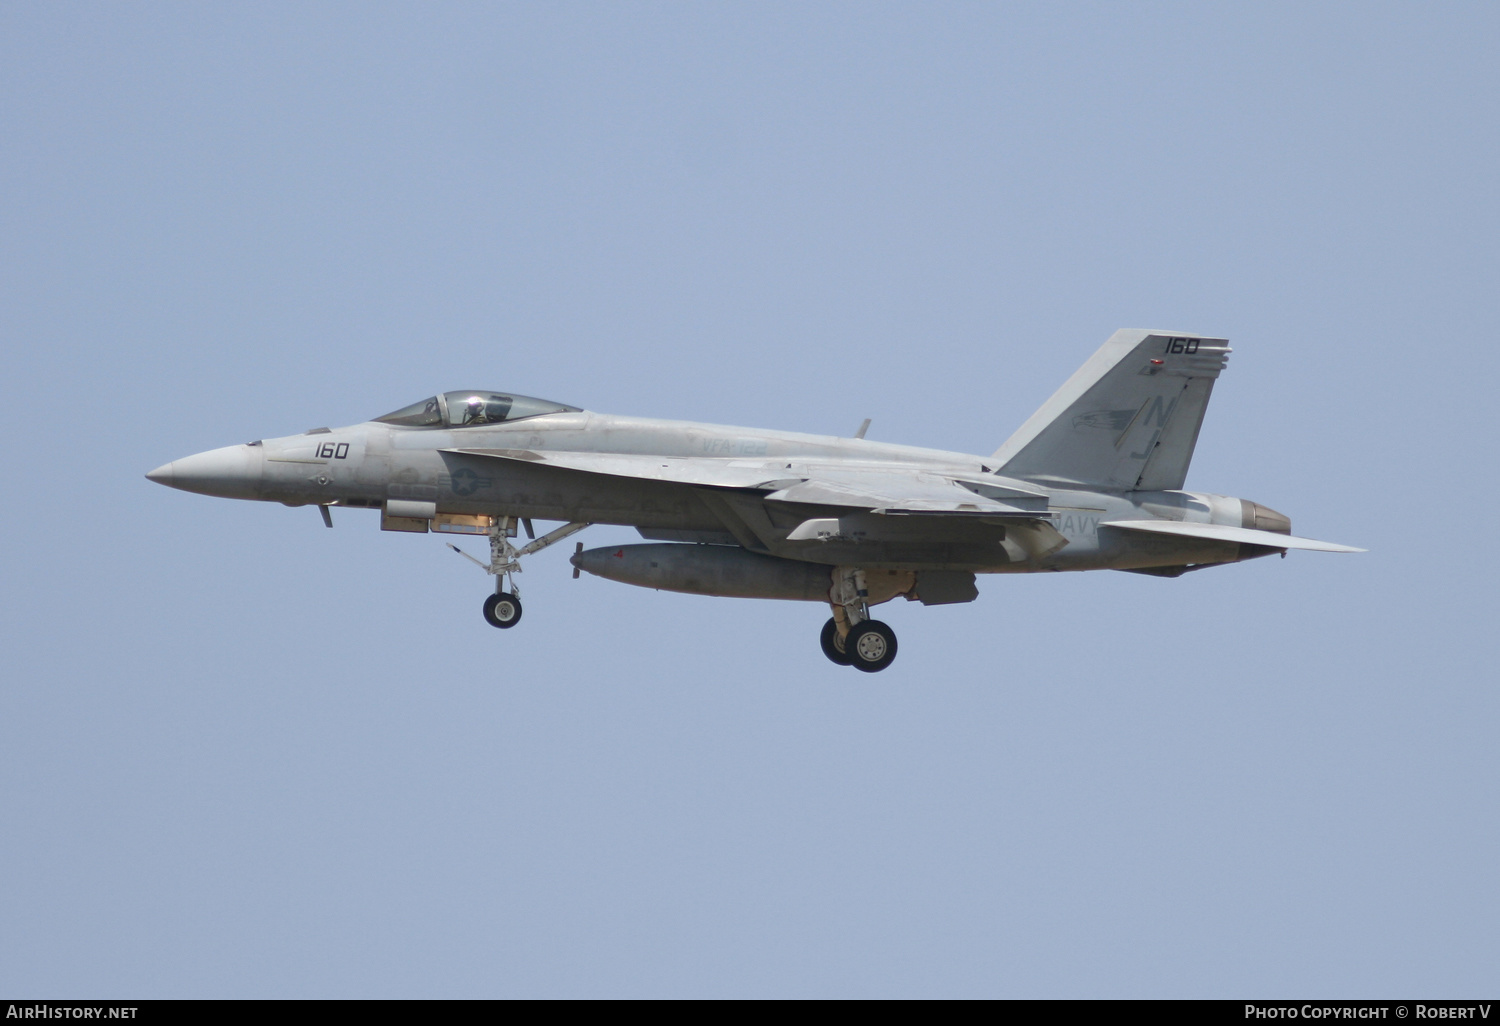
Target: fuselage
373 465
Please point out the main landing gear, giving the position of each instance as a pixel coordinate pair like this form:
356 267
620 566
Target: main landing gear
851 638
503 608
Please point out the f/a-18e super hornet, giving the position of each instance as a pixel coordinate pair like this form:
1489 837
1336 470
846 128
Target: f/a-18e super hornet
1093 481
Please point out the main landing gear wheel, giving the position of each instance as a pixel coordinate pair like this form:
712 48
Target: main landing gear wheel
871 646
502 610
833 645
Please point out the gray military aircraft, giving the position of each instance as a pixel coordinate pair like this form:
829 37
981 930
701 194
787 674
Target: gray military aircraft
1091 482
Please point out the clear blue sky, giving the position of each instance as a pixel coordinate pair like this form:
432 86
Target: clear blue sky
242 755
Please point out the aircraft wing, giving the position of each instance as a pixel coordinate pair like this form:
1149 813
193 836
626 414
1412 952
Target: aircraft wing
911 493
881 488
1225 533
696 470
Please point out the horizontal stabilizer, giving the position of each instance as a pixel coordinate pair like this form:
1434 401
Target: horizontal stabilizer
1225 533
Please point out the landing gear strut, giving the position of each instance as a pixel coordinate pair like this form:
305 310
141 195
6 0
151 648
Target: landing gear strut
503 609
851 638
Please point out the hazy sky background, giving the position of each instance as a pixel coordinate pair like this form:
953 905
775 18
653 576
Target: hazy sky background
242 755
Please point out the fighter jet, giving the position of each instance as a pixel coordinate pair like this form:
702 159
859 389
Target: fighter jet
1092 481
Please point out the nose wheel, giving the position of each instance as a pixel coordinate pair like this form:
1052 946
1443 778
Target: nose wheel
502 609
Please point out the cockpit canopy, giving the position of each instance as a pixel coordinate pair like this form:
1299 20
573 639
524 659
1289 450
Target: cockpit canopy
468 409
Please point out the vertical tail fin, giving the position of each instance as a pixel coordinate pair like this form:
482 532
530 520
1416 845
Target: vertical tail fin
1128 419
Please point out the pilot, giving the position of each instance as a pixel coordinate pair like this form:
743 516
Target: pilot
474 411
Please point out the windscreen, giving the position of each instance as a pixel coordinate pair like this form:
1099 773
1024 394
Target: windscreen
420 414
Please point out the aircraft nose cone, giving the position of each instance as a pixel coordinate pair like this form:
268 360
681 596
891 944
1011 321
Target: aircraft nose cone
233 472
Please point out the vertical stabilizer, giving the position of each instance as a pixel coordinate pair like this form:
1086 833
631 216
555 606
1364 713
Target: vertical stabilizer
1128 419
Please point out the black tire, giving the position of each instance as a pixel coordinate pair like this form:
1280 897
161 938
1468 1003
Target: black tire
832 647
871 646
502 610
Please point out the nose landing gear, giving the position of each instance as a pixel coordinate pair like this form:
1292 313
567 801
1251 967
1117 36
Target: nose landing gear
503 608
